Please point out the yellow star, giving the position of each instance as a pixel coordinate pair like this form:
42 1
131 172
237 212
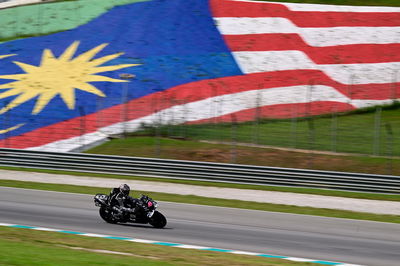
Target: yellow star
6 55
3 131
59 76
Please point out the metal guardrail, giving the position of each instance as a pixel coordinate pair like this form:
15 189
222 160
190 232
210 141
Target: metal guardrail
201 171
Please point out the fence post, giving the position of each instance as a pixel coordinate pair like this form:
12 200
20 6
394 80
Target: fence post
171 117
39 22
77 13
310 123
234 138
389 147
309 98
394 85
124 112
125 90
350 88
295 115
184 118
16 22
82 127
256 131
334 128
99 107
157 150
378 116
7 135
5 123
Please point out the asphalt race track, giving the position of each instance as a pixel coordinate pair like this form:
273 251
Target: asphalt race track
351 241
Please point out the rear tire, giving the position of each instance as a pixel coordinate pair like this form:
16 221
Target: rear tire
105 214
158 220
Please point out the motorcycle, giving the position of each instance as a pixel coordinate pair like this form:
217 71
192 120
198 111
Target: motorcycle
146 213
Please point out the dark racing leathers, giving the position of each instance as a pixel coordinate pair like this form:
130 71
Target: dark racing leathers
121 202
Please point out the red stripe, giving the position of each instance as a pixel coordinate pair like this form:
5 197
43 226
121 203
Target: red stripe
280 111
226 8
195 91
207 88
341 54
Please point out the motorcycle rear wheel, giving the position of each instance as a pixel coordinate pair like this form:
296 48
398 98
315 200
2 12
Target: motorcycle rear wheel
158 220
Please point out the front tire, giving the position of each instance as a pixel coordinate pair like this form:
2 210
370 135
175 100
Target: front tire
106 215
158 220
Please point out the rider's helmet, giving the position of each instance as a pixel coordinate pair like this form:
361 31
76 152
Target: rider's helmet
124 189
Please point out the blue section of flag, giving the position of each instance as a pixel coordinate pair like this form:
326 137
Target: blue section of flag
175 41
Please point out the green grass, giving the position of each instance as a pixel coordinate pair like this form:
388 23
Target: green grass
29 247
213 201
356 133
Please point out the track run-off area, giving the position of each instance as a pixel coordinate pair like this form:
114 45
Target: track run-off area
300 236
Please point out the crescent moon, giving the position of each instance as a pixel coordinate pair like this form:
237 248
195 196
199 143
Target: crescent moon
3 131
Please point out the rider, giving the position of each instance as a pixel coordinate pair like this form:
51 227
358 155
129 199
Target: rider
121 201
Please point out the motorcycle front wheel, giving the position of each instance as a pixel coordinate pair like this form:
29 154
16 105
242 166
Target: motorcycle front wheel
106 215
158 220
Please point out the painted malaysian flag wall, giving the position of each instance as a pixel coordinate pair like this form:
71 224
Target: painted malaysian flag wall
190 61
345 56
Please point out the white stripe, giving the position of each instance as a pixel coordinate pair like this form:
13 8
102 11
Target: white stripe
330 8
214 107
339 8
347 264
5 224
142 241
245 253
94 235
192 247
18 3
255 62
317 37
299 259
46 229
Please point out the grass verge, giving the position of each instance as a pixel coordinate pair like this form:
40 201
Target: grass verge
29 247
212 202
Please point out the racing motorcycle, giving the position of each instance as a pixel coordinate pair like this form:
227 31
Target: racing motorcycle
146 213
